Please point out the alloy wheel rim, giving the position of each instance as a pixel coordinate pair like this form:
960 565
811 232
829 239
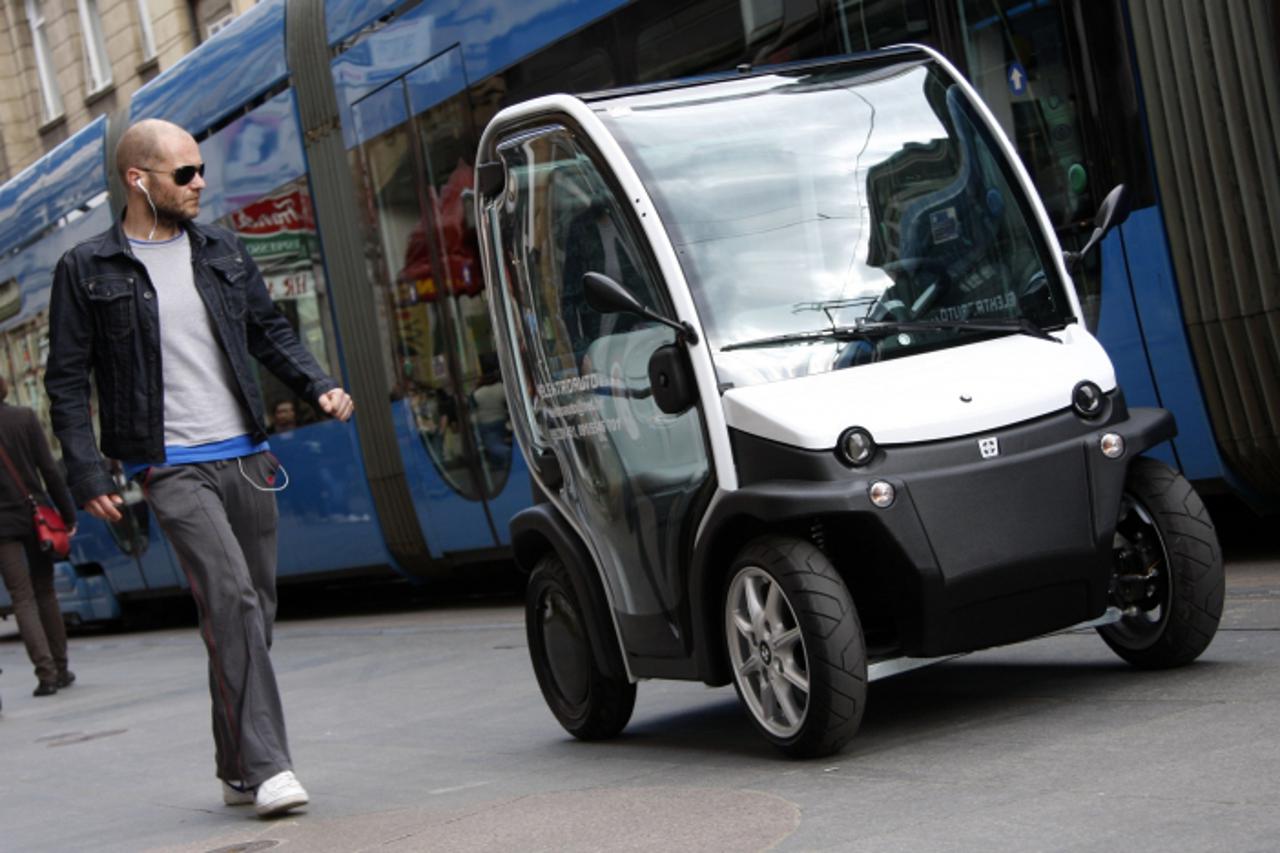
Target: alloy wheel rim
767 652
1140 626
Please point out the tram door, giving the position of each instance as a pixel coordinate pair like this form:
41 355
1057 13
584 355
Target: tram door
417 159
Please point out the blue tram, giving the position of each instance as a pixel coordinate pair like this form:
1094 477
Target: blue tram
340 139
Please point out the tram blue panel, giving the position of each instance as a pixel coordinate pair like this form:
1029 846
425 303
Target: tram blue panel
441 78
449 521
1164 327
251 157
343 18
84 599
327 518
32 268
515 496
238 64
493 33
69 176
1121 335
94 544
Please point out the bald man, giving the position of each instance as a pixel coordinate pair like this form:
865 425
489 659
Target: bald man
164 314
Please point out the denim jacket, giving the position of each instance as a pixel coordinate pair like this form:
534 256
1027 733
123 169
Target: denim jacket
103 320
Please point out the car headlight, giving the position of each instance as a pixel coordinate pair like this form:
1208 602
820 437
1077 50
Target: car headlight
856 446
1087 399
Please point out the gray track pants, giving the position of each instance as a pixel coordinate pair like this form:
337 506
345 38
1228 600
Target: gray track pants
224 533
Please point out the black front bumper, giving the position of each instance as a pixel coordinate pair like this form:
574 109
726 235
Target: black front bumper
989 550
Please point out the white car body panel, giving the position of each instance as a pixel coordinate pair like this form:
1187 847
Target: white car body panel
920 398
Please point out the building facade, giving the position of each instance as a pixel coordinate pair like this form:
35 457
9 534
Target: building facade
70 61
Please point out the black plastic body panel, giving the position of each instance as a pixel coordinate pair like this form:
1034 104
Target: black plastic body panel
539 529
989 550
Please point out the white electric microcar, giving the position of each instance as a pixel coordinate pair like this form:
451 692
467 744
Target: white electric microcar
795 360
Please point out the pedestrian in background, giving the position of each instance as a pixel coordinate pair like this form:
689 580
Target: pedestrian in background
165 313
26 569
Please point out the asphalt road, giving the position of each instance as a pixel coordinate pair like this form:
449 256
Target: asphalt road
421 728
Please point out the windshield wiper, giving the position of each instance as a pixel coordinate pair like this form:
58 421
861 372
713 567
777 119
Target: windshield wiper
994 324
870 330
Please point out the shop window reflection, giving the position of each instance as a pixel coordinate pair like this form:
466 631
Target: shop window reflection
279 231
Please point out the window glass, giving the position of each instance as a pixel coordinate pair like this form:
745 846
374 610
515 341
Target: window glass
412 302
50 94
279 232
868 24
147 33
447 151
836 198
1020 63
97 61
24 349
632 472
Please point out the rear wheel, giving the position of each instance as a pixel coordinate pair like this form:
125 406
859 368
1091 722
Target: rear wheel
588 703
795 645
1168 582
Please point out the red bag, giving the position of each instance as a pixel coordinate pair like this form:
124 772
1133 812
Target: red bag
51 533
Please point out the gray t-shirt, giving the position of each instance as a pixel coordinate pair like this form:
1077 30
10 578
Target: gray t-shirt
200 403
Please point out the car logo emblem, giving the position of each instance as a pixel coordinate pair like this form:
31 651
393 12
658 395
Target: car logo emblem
989 447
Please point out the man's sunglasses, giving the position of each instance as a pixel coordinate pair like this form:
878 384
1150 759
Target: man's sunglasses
182 175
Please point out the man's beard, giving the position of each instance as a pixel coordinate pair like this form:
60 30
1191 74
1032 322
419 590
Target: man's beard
169 214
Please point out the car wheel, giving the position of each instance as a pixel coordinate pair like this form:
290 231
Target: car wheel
1168 582
795 646
588 703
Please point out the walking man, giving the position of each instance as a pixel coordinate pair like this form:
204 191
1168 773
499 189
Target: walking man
164 313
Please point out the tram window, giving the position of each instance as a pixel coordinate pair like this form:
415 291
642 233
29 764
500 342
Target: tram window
447 144
412 298
1020 63
868 24
279 230
698 37
24 349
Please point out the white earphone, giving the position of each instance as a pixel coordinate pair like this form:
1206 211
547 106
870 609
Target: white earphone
155 219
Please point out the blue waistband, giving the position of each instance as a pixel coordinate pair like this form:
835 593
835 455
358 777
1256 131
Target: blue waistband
177 454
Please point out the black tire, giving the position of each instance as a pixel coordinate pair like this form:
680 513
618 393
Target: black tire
589 704
770 657
1169 581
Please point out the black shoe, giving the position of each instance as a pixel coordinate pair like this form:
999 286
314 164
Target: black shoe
45 688
65 679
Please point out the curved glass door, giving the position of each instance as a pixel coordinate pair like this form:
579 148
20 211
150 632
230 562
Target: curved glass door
415 164
447 149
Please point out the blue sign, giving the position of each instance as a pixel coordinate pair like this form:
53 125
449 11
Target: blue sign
1017 78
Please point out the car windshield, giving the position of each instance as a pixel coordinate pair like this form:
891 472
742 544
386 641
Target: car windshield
850 198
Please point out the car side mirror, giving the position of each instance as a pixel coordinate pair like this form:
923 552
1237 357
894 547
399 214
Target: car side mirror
606 296
671 378
1113 211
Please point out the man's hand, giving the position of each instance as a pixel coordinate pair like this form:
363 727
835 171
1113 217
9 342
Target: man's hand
104 507
337 404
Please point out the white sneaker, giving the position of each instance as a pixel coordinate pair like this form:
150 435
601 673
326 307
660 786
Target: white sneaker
236 796
279 794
